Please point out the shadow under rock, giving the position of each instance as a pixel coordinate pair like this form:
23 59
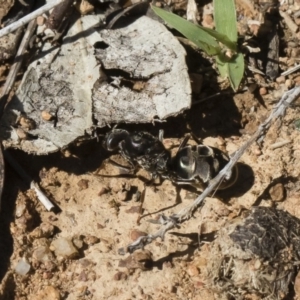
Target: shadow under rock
84 158
6 217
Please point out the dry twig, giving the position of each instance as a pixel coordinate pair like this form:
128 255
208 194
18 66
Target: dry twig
291 70
10 80
23 21
171 222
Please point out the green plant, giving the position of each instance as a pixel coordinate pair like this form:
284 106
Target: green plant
221 42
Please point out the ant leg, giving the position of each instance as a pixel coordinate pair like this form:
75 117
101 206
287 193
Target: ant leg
178 198
142 199
185 140
183 143
195 138
124 169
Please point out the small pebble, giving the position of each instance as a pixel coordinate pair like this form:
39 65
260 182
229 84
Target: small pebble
47 293
263 91
295 51
297 80
52 218
257 264
47 275
104 248
91 240
26 123
46 116
103 191
168 143
126 186
42 254
277 192
22 267
120 276
40 20
84 7
44 230
256 151
289 83
115 185
82 291
122 195
192 270
21 134
66 153
64 247
83 184
50 266
135 234
20 209
82 276
280 79
140 259
100 226
292 44
208 21
78 242
136 196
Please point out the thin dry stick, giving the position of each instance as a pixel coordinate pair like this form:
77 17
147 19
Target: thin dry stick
23 21
5 92
10 80
185 214
291 70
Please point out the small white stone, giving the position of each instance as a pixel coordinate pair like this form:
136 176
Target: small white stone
22 267
42 254
64 247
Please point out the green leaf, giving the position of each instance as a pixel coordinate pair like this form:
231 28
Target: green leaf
225 22
193 32
236 68
222 67
233 69
225 18
221 38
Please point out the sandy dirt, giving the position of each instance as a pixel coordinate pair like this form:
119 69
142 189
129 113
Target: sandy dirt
99 214
72 253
